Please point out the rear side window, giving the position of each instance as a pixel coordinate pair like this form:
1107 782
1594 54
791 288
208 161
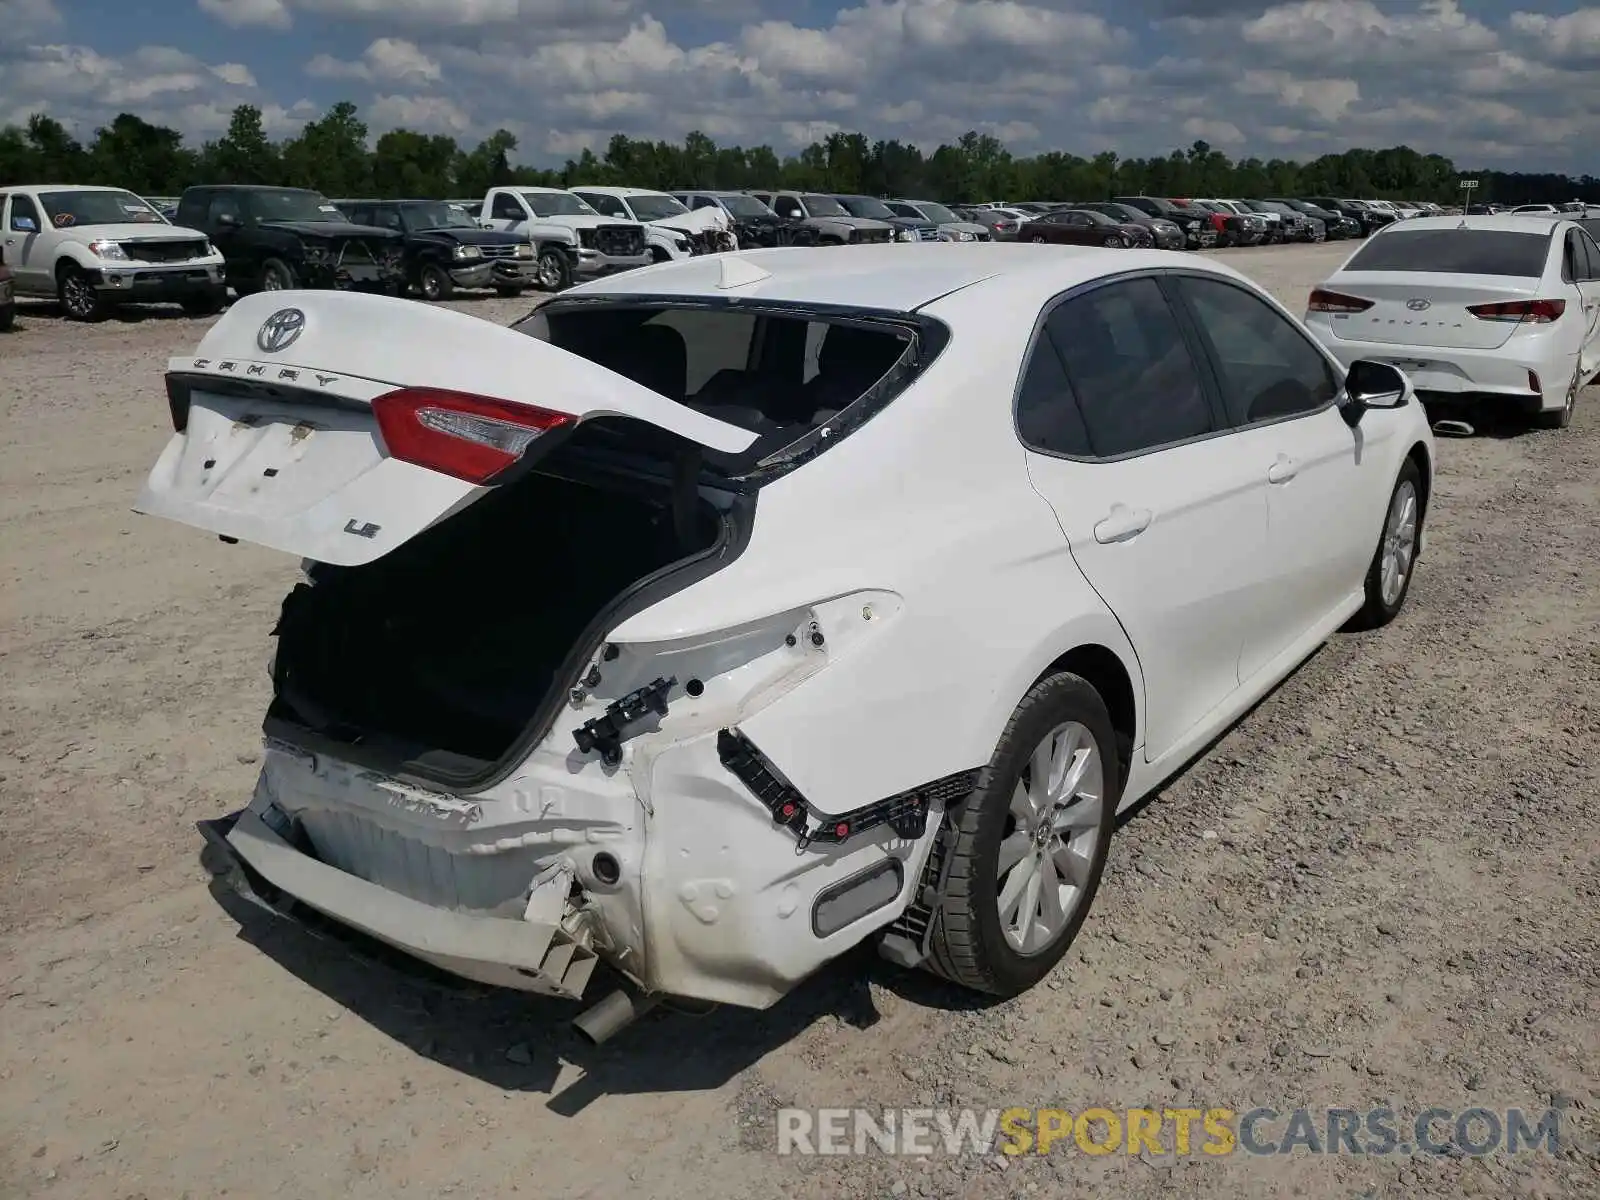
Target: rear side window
1048 417
1455 252
1268 368
1589 264
1129 366
24 207
506 208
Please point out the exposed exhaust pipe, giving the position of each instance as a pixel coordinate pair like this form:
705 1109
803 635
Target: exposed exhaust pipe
612 1015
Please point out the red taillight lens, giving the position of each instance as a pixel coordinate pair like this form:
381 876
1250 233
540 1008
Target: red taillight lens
1336 302
468 437
1534 312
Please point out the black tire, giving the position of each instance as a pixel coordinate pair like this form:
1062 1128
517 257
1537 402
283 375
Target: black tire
554 271
658 255
277 276
207 305
80 300
8 317
968 944
1378 611
434 282
1562 417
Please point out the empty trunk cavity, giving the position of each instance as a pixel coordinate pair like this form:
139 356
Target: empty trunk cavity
443 657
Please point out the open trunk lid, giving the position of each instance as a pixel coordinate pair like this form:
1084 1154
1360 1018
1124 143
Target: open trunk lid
1427 309
279 441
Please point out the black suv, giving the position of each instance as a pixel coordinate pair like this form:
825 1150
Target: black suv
1198 230
446 249
1366 219
1335 225
274 238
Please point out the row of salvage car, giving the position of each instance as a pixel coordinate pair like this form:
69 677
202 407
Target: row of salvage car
95 248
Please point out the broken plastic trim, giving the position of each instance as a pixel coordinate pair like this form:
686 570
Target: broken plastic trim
605 732
905 812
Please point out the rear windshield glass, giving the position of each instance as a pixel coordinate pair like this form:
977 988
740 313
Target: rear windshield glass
1455 252
782 375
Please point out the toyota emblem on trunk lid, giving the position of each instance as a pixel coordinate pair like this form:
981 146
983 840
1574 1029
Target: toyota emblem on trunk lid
280 330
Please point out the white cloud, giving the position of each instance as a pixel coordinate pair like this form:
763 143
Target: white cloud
236 74
1327 98
1484 84
425 114
385 60
1571 36
268 14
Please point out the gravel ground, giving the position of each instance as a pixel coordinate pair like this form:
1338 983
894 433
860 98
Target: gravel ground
1381 888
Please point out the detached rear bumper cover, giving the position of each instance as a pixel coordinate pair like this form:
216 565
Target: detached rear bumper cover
486 948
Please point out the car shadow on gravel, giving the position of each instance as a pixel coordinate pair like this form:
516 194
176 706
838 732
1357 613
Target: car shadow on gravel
1474 419
519 1042
135 315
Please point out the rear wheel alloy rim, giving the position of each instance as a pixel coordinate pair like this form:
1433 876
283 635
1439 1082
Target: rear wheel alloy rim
1053 832
549 271
1399 543
272 281
77 295
430 285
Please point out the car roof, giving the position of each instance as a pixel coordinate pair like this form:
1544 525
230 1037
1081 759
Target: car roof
1507 222
616 191
895 277
63 187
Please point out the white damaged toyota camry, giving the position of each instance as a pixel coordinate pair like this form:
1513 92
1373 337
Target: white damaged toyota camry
719 616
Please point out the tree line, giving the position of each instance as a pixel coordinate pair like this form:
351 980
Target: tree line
332 155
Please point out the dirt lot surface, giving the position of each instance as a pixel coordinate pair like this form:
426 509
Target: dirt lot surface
1382 888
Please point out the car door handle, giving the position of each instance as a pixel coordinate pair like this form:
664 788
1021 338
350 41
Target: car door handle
1122 524
1283 470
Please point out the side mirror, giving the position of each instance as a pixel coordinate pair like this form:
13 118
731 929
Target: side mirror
24 225
1372 384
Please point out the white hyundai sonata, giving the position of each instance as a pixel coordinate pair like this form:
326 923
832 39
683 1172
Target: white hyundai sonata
1506 307
721 615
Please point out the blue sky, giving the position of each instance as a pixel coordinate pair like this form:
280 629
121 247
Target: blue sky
1502 83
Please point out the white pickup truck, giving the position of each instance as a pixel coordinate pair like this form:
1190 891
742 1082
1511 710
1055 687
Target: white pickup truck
605 246
93 248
